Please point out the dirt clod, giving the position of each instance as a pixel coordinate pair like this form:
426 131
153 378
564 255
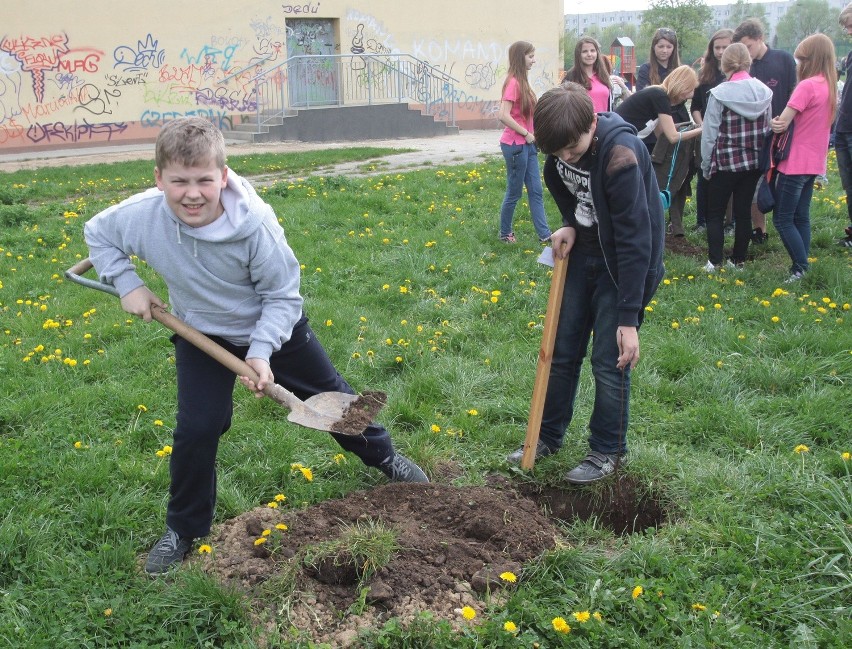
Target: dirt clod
361 412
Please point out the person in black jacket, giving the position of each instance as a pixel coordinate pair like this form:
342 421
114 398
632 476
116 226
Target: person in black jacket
843 130
600 175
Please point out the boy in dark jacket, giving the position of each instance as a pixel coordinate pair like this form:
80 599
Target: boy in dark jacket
601 177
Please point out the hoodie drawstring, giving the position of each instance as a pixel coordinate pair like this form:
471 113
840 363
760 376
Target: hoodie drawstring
180 241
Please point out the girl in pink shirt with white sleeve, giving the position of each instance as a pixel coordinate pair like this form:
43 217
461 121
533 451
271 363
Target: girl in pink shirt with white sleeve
518 144
811 109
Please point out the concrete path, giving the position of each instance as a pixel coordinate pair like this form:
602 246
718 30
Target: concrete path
465 146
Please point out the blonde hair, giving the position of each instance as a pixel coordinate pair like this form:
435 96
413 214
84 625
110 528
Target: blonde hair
518 70
190 141
816 56
735 59
681 80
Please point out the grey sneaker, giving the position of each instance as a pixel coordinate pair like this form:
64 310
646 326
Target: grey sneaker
541 450
168 552
594 467
401 469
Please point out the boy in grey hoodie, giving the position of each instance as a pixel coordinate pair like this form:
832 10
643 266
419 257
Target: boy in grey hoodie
736 122
231 274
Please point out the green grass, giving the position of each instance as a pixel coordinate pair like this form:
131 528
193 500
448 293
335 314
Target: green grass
411 292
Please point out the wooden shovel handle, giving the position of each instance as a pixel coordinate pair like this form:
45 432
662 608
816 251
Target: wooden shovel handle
194 337
545 358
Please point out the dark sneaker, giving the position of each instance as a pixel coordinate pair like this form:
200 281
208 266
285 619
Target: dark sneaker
401 469
846 241
541 450
167 553
594 467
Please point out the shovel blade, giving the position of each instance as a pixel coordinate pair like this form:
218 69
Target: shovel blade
338 412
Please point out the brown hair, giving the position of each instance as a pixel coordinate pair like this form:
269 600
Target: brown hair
710 66
816 56
736 59
578 75
680 81
518 70
562 115
845 15
750 28
662 34
189 141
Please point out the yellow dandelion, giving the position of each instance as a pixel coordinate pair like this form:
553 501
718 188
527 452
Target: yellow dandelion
282 527
78 444
846 456
266 532
272 505
510 627
435 428
597 615
107 612
775 318
468 613
560 625
204 549
279 498
142 408
329 322
675 325
307 473
637 592
509 576
582 616
260 541
699 607
801 448
340 457
473 412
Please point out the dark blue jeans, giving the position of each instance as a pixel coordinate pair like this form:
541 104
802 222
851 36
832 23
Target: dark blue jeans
205 407
792 216
589 303
522 169
843 148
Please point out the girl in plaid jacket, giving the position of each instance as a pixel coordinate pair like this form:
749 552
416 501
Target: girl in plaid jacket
736 123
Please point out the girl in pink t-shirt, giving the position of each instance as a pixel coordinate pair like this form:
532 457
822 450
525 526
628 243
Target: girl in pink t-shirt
811 110
591 71
518 144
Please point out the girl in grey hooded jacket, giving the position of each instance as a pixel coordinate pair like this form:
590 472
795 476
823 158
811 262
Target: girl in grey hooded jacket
736 123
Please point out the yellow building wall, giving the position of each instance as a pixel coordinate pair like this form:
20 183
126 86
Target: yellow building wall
98 73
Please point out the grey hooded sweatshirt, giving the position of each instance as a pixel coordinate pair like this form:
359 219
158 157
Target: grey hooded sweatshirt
745 96
236 278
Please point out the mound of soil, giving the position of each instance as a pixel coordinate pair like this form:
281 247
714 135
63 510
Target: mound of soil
453 544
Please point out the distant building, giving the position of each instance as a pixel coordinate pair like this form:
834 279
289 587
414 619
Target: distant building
579 23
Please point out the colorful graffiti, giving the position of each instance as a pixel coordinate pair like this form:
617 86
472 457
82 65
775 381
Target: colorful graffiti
58 89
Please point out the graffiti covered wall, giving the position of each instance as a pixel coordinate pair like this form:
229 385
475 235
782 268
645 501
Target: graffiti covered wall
118 71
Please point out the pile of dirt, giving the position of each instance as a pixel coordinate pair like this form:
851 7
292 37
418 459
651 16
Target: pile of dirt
453 543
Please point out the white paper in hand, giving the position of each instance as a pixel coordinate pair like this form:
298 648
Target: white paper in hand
546 256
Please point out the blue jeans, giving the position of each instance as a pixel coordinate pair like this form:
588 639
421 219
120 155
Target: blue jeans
843 148
792 216
589 303
522 169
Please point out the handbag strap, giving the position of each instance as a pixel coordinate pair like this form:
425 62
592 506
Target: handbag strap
674 160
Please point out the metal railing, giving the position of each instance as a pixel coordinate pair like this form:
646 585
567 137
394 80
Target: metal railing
314 81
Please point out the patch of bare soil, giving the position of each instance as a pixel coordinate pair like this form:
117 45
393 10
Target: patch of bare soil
682 246
453 544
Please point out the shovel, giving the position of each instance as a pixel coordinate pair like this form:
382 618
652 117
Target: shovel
545 358
336 412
